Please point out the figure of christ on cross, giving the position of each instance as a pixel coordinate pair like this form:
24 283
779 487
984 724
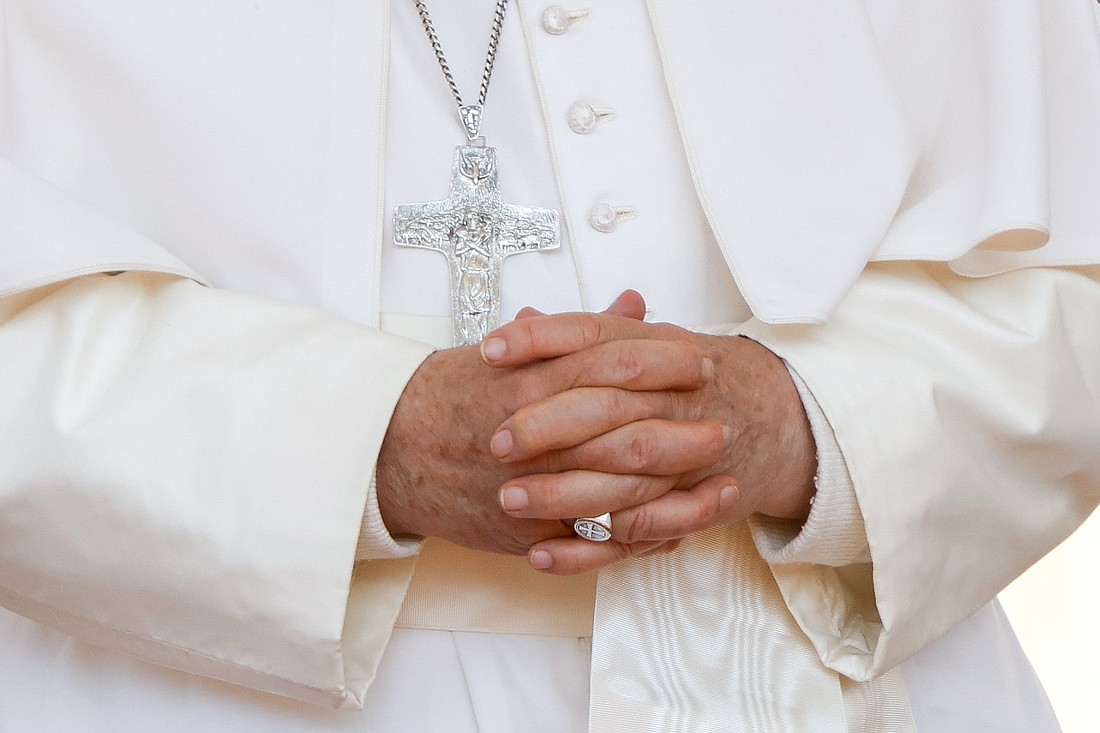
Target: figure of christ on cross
476 230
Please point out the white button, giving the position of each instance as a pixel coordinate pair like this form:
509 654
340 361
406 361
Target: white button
604 217
556 19
583 117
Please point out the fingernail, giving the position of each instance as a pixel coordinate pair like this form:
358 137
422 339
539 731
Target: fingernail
501 444
726 498
708 369
493 349
727 433
541 560
513 498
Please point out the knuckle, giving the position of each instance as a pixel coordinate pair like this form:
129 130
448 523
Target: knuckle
703 514
527 335
692 352
639 526
636 490
615 404
591 329
629 365
641 449
672 405
549 496
680 352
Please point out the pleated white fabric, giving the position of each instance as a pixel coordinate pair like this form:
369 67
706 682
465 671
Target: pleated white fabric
460 682
663 661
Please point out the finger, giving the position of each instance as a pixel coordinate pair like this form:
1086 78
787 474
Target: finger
637 364
629 304
574 494
573 417
545 337
713 501
652 447
592 556
573 555
528 312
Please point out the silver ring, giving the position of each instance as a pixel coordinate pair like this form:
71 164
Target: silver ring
596 529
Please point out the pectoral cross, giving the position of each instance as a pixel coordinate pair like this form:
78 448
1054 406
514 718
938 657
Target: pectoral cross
476 230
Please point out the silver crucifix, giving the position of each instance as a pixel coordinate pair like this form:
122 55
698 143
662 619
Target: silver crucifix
476 230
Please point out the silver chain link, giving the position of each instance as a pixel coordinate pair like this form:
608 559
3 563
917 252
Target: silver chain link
490 55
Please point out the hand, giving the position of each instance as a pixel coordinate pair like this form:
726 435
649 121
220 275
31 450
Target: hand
707 500
435 473
771 453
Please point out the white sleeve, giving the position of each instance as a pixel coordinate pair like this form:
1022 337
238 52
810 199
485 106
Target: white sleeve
48 235
833 533
375 540
184 474
967 413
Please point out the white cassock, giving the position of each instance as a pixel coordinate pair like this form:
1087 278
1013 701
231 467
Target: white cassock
185 468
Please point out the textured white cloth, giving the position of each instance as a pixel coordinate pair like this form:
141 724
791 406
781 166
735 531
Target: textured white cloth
115 117
454 682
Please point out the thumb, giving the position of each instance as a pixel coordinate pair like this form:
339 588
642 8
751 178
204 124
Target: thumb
528 312
629 304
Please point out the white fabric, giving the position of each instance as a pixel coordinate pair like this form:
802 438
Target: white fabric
124 108
803 175
895 129
26 657
285 98
428 681
932 564
375 542
61 236
627 161
54 682
979 660
890 434
833 533
124 395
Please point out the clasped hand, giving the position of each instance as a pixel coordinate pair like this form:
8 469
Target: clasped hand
669 430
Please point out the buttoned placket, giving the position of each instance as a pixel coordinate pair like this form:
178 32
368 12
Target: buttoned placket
627 193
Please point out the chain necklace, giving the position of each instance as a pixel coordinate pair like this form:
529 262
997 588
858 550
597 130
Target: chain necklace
473 226
469 114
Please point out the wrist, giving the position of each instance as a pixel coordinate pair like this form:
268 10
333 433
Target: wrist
773 455
397 463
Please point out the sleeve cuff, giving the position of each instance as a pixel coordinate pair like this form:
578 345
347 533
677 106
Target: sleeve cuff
375 541
834 534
